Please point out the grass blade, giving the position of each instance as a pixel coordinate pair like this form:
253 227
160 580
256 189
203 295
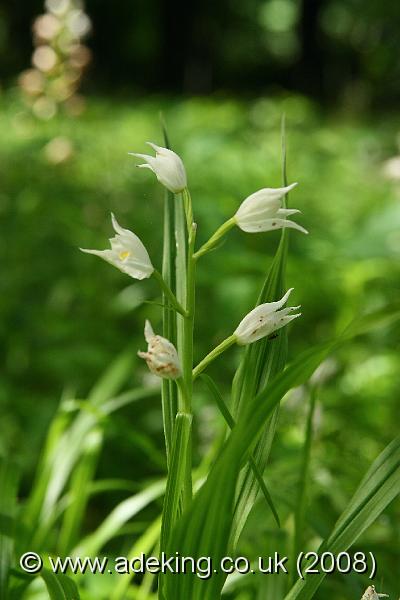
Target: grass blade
8 509
231 424
79 492
65 445
145 544
378 488
112 525
60 587
301 503
176 477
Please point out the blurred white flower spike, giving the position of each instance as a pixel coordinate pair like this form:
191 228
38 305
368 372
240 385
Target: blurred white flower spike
371 594
167 167
161 356
127 253
262 211
263 320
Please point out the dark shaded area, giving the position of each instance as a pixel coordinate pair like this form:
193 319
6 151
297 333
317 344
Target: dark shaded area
329 49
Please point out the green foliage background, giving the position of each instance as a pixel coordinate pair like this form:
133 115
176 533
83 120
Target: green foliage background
65 316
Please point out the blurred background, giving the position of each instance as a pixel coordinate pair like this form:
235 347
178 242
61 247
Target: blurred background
81 86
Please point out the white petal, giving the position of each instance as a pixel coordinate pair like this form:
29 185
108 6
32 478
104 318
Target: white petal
287 212
269 307
143 156
156 148
117 226
95 252
269 225
148 331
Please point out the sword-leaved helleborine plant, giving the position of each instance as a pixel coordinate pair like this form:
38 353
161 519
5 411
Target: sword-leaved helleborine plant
264 210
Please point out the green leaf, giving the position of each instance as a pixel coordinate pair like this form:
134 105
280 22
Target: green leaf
9 475
176 477
231 424
145 543
64 447
112 524
378 488
301 501
60 587
112 380
79 492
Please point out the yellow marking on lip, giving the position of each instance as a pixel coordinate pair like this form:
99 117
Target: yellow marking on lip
124 255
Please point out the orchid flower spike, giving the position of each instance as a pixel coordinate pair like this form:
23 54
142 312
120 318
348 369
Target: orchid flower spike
262 211
264 320
161 356
371 594
127 253
167 167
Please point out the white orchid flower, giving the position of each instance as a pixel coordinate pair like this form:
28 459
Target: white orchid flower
264 320
262 211
167 167
127 253
161 356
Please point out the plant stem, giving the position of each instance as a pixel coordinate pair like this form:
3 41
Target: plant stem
227 343
187 346
169 394
214 239
168 293
301 503
187 204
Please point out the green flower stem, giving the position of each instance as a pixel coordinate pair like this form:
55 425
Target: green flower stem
187 204
227 343
168 293
189 318
214 239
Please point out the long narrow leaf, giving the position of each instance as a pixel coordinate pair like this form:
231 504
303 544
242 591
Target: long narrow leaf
231 424
60 587
8 509
120 515
79 491
378 488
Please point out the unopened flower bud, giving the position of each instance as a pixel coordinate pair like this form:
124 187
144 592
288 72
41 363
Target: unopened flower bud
161 356
371 594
